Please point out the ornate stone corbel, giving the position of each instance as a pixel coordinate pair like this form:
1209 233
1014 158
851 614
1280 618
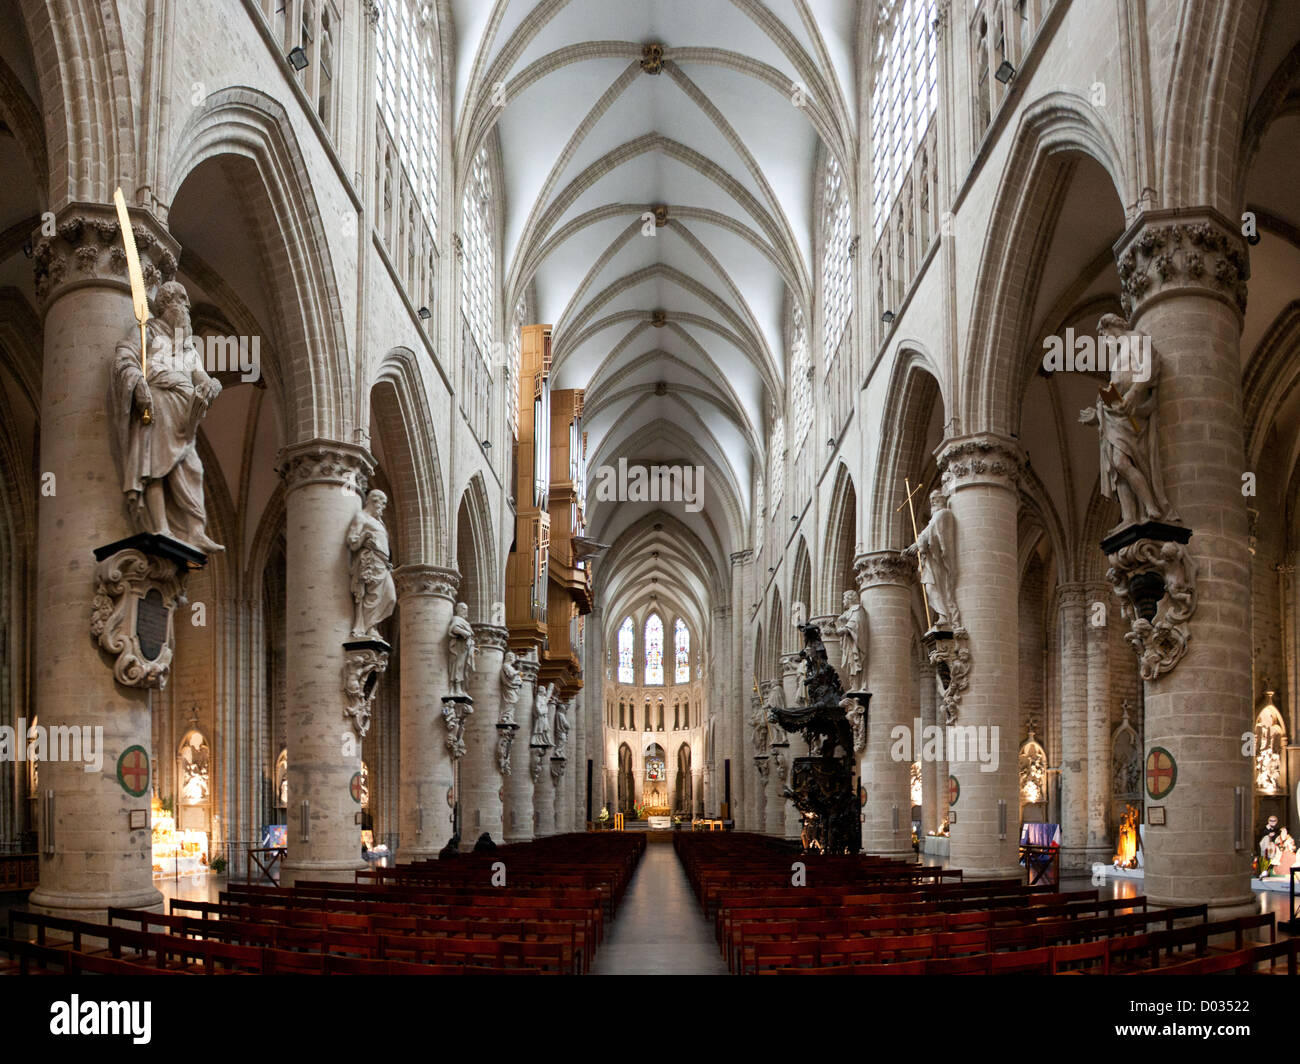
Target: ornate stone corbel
136 593
558 765
363 663
539 754
763 764
453 716
951 660
1155 582
505 742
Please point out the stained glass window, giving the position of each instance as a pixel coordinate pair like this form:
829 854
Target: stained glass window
625 652
776 462
682 651
654 650
655 770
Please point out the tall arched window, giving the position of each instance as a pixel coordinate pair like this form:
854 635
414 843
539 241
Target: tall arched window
625 673
801 394
760 508
681 652
654 650
408 97
776 461
837 264
479 278
904 94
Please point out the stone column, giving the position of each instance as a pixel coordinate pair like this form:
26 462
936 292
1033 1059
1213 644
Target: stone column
425 596
85 301
762 771
544 795
324 484
1072 601
778 765
737 681
934 771
980 474
790 685
518 811
1100 846
1183 275
480 778
884 582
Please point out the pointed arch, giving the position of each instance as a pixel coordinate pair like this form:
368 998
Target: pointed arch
475 550
839 546
250 132
403 422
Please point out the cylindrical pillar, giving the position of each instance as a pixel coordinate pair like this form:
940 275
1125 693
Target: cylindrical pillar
980 475
934 771
480 778
425 596
1099 771
97 860
518 811
1072 600
1185 271
324 482
884 579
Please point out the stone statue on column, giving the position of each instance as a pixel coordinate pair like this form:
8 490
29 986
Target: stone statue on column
1125 415
461 650
373 589
775 733
541 716
561 731
758 727
161 473
512 679
935 550
851 627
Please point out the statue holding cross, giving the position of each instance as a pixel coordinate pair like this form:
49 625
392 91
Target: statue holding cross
935 550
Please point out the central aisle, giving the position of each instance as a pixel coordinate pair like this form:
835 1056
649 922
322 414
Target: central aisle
659 929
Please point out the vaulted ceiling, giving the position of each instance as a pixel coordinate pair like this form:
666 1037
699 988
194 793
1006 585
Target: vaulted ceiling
676 330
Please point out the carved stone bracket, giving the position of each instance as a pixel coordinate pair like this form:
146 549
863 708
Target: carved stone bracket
1155 582
454 712
558 765
764 766
137 590
539 756
505 742
364 661
949 653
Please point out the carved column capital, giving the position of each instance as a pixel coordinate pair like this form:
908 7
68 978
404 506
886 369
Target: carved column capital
86 249
418 580
883 567
318 461
1072 596
491 636
1167 251
980 459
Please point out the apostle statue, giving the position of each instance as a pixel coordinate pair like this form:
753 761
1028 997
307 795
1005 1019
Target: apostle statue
775 733
162 476
935 550
1125 415
373 590
461 651
541 716
561 731
512 680
758 727
851 627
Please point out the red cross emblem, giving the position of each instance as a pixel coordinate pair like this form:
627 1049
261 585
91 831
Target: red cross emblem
133 770
1162 772
954 790
354 788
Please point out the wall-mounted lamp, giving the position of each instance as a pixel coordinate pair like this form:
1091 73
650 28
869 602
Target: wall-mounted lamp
830 442
487 445
304 812
1005 72
1002 818
298 58
887 317
424 313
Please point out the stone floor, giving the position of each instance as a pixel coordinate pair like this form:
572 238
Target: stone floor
659 928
